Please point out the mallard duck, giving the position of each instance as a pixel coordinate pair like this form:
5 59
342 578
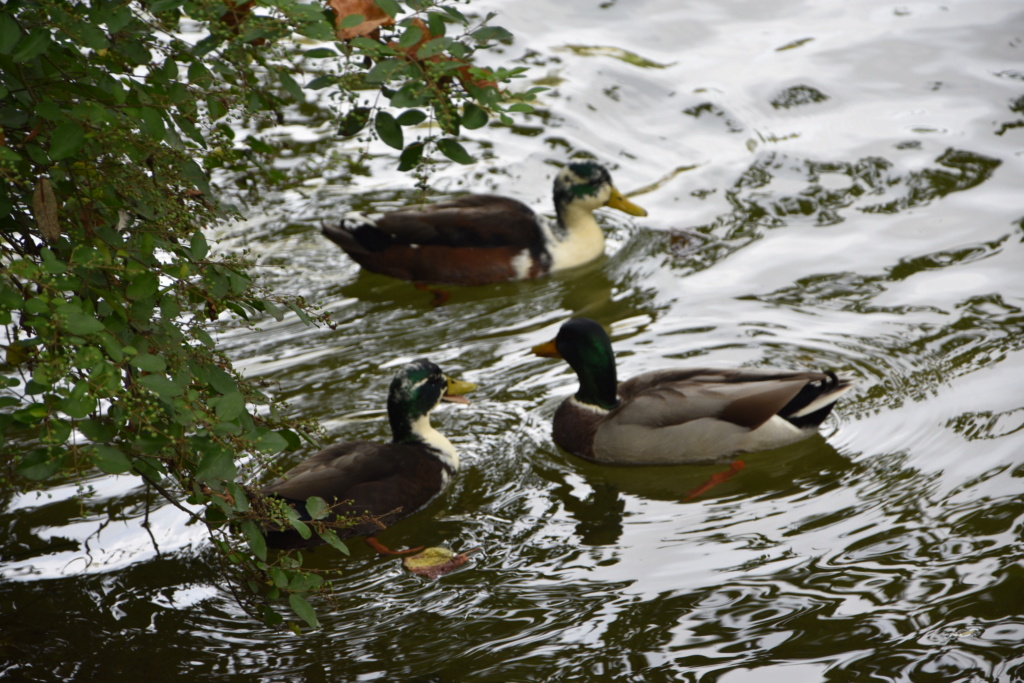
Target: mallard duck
383 481
483 238
697 415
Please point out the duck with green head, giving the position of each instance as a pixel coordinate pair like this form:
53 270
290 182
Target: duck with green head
694 415
483 238
379 483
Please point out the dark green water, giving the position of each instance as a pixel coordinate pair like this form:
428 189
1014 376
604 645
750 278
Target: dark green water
855 172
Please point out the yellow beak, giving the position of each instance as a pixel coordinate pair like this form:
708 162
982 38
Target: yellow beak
455 389
547 350
619 201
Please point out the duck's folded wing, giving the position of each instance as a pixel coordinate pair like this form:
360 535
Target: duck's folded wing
663 399
469 221
338 472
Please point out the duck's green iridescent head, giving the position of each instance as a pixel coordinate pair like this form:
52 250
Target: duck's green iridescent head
585 346
590 185
416 390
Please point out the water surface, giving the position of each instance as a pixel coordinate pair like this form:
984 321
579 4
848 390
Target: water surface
853 174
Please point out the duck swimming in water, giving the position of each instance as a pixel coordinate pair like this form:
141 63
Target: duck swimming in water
684 416
483 238
378 484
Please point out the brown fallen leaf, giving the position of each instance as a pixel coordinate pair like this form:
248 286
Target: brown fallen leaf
373 18
44 206
435 562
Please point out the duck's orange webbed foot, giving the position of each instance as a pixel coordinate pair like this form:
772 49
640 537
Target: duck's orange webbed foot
439 297
384 550
715 479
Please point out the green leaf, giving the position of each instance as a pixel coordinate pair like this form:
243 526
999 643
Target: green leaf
455 14
222 381
36 306
435 22
454 151
411 36
31 413
317 507
293 518
192 171
164 5
386 70
293 88
433 47
36 44
331 538
97 429
411 117
10 34
142 285
78 406
67 139
229 406
38 465
278 576
161 386
354 121
199 246
50 263
215 106
257 542
119 18
321 52
321 82
491 33
91 36
390 6
56 432
199 75
352 20
298 603
473 117
111 460
82 323
241 500
216 465
152 123
271 442
149 362
389 130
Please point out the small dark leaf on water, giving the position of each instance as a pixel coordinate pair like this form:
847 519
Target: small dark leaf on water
435 562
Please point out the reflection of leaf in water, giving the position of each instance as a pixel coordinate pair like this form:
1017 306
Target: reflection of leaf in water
968 170
980 331
616 52
794 44
986 425
798 96
710 109
827 195
1017 107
